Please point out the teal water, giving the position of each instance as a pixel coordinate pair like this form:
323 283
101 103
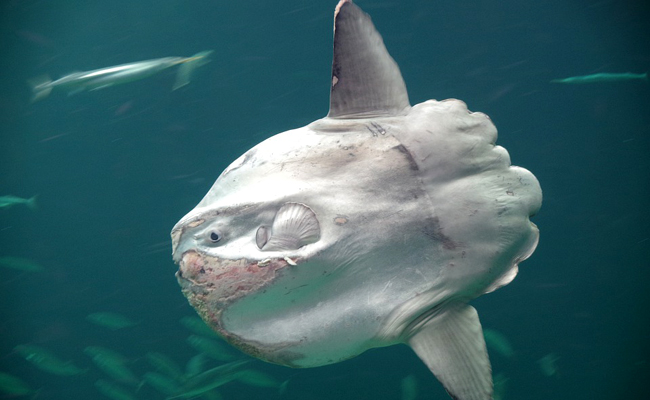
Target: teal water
115 169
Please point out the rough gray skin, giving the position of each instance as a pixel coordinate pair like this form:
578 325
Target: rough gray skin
419 212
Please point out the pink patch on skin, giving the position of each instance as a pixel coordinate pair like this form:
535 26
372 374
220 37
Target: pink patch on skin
221 281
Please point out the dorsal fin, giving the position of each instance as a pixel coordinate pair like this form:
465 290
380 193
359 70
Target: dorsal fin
366 81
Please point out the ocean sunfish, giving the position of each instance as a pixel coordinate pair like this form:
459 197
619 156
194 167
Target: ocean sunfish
373 226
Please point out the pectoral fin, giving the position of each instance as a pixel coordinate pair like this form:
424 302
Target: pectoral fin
295 225
453 347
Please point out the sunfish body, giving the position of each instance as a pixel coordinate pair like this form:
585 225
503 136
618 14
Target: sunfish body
603 77
106 77
370 227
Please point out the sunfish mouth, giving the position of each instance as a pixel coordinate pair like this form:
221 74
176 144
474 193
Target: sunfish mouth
213 284
209 281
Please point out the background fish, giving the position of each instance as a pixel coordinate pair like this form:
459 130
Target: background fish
9 201
119 74
603 77
497 342
210 379
196 325
113 391
165 365
19 263
13 386
47 361
113 364
211 348
110 320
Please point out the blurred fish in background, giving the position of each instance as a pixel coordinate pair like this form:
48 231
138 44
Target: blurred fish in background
110 320
21 264
10 201
77 82
603 77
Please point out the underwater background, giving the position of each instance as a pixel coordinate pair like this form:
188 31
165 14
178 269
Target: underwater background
114 169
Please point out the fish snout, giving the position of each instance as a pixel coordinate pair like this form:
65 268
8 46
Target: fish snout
191 266
176 237
182 237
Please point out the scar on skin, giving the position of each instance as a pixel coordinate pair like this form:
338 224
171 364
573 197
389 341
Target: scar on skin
196 223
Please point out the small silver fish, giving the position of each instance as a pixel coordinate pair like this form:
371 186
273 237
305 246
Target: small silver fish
113 364
112 390
10 201
92 351
196 325
110 320
500 386
46 361
21 264
498 342
162 383
210 379
13 386
105 77
257 378
195 365
165 365
548 364
211 348
409 386
603 77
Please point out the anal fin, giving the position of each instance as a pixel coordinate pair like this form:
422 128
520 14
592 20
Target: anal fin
452 346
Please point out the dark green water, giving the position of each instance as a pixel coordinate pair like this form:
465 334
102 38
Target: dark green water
114 170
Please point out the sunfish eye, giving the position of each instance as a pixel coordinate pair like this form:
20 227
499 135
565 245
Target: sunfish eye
214 236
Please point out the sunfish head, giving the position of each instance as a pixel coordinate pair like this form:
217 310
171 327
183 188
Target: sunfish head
370 227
